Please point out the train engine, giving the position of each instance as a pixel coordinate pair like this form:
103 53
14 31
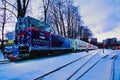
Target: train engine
33 39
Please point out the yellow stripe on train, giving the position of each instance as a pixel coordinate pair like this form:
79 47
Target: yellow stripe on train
10 42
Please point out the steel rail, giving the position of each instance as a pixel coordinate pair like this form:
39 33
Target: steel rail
38 78
91 67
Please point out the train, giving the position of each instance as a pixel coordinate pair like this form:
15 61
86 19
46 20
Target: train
33 38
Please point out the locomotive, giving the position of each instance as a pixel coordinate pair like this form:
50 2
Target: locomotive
33 38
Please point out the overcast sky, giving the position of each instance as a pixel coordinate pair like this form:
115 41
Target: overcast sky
102 17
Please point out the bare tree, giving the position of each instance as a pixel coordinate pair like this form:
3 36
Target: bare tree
80 30
86 34
68 18
64 18
57 12
61 14
3 21
45 7
73 20
20 7
53 17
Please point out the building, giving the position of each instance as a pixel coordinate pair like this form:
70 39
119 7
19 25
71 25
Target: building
110 43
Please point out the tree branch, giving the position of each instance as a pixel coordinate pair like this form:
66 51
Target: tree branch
27 4
11 4
9 11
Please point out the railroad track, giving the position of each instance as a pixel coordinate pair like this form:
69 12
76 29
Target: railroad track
89 68
55 70
81 68
113 66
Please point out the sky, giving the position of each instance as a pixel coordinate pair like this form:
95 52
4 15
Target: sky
102 17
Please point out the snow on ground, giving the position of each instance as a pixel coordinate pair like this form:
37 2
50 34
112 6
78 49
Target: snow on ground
64 73
1 56
31 69
101 71
117 66
87 66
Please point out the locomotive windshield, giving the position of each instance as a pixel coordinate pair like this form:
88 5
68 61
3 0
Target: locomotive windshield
29 22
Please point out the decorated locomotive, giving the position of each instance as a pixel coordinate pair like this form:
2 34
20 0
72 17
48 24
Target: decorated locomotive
33 38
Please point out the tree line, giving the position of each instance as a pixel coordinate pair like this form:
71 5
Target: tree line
62 16
65 19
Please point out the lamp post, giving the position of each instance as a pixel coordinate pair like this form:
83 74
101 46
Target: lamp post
103 46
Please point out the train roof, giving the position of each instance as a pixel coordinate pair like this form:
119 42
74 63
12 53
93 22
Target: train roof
32 22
